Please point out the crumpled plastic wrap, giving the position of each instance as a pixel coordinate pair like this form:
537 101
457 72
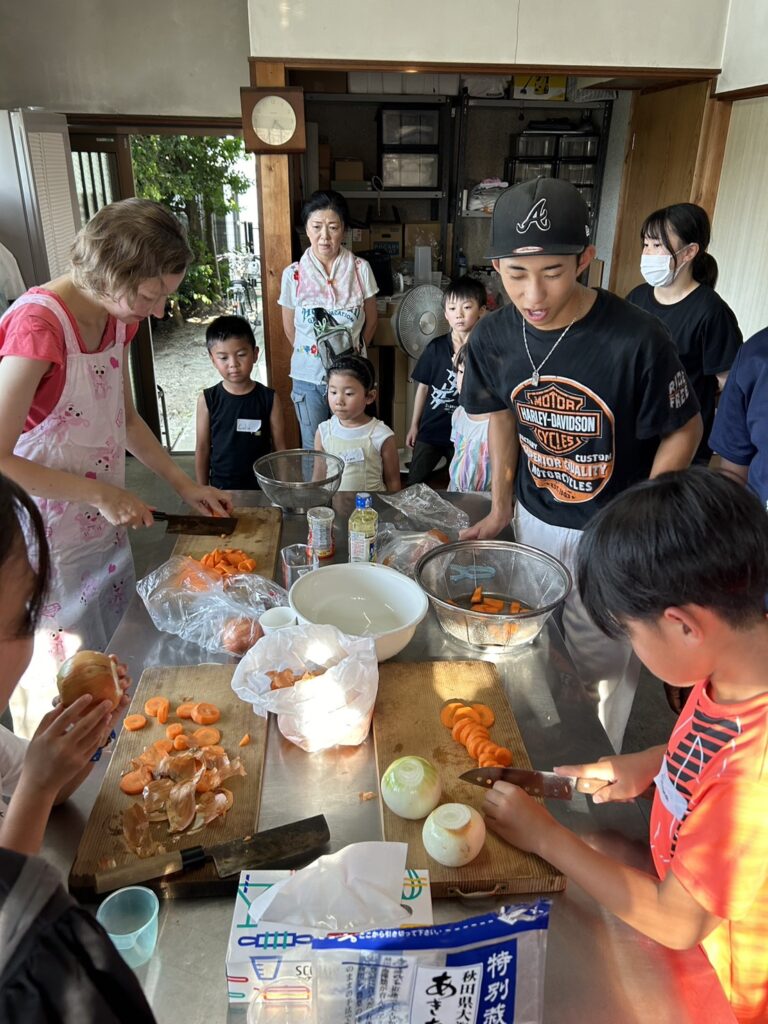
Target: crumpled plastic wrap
220 615
333 708
401 549
423 508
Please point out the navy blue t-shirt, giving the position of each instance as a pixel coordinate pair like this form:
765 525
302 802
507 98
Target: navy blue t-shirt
435 369
740 433
240 434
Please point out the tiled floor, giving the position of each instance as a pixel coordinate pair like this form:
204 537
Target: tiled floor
649 724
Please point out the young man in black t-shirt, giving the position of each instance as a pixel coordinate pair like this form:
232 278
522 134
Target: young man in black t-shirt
436 396
587 395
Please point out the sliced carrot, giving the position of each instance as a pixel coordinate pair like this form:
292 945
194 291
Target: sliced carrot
166 746
486 749
493 604
134 782
134 722
205 714
206 737
158 707
245 740
459 728
247 565
466 712
504 757
184 710
488 762
474 742
174 730
486 715
477 596
515 607
448 711
180 742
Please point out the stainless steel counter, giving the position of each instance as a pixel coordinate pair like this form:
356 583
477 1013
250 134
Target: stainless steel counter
598 969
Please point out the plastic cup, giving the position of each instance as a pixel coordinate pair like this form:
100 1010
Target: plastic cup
277 618
129 916
297 560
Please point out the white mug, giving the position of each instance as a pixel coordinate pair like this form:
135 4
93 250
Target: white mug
277 618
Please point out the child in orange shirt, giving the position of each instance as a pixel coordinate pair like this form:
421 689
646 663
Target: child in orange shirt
679 565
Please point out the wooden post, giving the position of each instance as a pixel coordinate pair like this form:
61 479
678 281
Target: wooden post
273 190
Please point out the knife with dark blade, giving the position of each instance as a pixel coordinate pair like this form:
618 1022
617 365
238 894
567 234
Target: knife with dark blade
200 526
549 784
273 848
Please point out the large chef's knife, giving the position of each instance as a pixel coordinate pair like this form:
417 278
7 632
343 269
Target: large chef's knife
549 784
276 847
200 526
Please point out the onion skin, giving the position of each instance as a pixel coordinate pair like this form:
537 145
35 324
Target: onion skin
453 846
89 672
410 787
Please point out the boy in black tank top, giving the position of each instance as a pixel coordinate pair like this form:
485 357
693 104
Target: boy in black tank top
238 420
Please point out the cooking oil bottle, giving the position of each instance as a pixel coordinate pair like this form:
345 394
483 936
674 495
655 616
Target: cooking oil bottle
363 526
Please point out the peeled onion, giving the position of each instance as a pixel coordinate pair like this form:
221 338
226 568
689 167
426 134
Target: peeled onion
453 834
89 672
410 787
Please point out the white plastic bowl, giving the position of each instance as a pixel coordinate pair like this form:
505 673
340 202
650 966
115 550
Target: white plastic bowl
362 599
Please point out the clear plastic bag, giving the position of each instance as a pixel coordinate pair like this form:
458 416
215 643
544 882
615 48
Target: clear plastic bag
332 708
422 507
401 549
221 615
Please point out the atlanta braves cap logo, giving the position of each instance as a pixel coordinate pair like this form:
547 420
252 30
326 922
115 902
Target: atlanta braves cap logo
537 215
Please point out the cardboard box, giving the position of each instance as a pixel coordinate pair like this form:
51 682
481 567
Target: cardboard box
348 170
426 233
387 238
358 239
278 957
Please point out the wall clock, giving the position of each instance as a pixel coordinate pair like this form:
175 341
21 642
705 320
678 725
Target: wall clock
273 120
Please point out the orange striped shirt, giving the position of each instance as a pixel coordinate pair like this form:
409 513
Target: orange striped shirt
709 825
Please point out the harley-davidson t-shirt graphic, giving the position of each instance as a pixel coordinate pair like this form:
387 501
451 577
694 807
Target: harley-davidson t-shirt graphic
567 434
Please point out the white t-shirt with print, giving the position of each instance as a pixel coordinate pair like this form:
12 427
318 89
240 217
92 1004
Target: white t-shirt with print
12 752
305 361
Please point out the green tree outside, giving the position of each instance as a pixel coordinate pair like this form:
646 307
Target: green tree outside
193 175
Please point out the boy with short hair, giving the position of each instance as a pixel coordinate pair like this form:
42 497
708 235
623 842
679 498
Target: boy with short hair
239 419
587 395
464 303
679 565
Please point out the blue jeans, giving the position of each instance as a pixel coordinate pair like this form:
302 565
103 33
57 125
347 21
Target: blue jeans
311 404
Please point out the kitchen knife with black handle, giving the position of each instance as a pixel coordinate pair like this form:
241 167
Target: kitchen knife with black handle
199 526
549 784
272 848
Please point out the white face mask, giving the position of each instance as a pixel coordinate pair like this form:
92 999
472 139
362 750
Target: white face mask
660 271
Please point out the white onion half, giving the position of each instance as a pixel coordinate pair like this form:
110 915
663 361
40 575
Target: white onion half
410 787
453 834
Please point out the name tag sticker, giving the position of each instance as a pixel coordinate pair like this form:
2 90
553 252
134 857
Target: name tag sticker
672 798
249 426
353 455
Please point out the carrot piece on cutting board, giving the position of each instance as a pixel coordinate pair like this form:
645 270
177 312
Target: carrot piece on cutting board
158 707
185 710
465 712
461 727
504 757
245 740
134 722
205 714
448 712
485 714
164 746
206 737
180 742
173 730
134 782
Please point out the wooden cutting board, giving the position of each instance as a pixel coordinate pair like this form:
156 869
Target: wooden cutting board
99 845
407 721
257 533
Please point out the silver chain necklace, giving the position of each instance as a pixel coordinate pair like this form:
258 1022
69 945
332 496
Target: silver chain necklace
535 374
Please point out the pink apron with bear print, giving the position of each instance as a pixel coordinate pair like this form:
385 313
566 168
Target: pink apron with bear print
92 575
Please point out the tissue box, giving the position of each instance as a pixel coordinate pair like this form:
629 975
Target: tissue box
279 956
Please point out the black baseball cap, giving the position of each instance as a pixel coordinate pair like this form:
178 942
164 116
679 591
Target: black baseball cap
545 216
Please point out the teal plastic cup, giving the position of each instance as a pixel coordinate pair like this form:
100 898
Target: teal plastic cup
129 916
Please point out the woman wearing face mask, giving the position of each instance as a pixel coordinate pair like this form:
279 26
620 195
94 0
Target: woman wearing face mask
681 277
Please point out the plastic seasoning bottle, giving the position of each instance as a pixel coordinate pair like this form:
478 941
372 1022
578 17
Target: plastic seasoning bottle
321 539
363 526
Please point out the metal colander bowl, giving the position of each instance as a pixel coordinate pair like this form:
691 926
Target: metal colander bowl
299 479
514 572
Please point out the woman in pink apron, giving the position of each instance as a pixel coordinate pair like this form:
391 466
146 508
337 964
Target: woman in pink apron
68 418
